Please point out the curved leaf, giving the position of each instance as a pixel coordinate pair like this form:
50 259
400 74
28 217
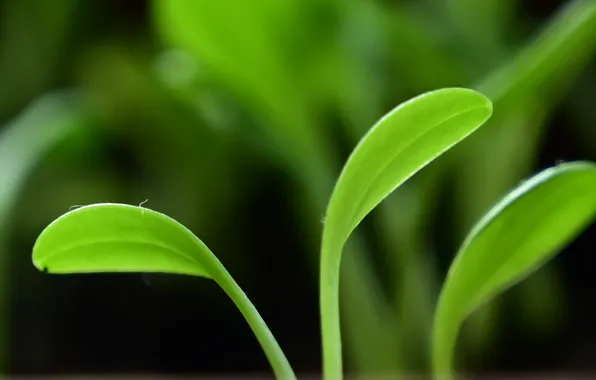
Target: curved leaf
399 145
118 238
518 235
122 238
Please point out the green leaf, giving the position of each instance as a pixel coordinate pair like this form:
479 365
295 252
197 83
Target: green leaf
33 38
399 145
525 91
27 139
122 238
518 235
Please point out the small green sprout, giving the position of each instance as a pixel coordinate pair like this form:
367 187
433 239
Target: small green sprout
518 235
399 145
121 238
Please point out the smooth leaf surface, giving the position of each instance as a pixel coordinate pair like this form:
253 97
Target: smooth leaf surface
399 145
122 238
119 238
525 229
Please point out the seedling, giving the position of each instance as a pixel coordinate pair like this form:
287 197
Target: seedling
518 235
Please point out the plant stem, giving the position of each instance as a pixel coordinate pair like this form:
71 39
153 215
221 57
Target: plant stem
367 315
443 341
277 359
330 319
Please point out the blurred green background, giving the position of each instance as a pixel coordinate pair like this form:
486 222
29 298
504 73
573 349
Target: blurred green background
235 117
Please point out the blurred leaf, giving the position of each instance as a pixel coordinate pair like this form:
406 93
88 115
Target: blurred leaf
242 44
496 158
406 220
480 333
486 21
23 143
523 231
164 133
583 113
235 42
122 238
528 87
549 63
399 145
525 91
369 321
420 57
359 62
33 34
542 303
481 28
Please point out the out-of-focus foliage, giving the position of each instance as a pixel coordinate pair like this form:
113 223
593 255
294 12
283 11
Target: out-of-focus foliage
235 117
42 127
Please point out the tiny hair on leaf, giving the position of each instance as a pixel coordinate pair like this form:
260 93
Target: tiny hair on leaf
111 237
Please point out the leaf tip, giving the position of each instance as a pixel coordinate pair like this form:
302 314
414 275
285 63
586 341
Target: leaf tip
38 262
483 100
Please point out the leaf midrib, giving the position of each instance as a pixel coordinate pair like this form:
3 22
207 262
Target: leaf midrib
395 156
124 241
